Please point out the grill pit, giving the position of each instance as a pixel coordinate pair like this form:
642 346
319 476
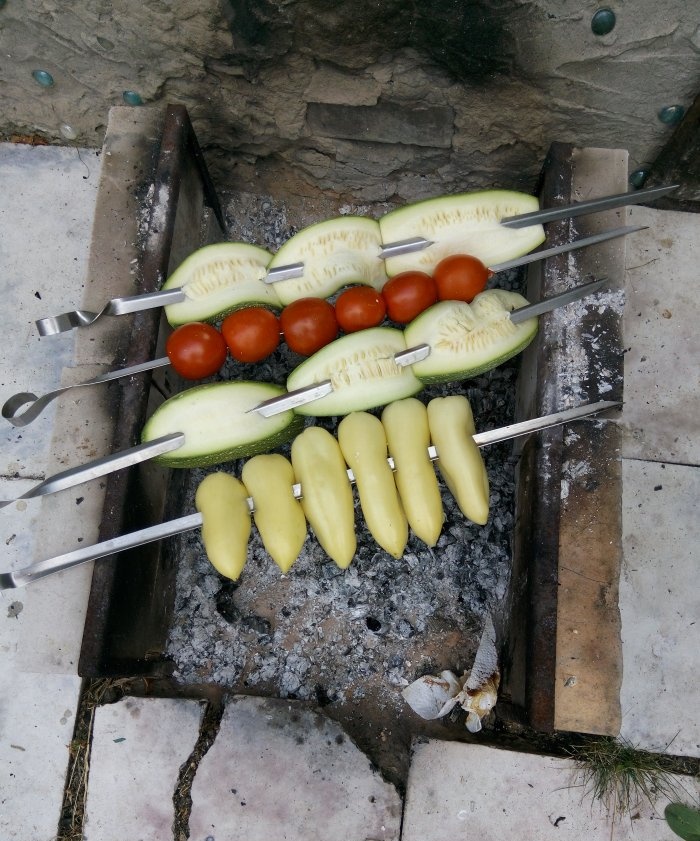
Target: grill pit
345 641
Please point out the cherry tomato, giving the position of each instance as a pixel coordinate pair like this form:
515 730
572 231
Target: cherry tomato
408 294
308 325
251 333
460 278
359 307
196 350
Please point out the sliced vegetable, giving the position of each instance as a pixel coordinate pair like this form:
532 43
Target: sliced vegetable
363 444
451 429
468 339
196 350
406 425
362 370
335 253
408 294
460 277
223 502
326 492
308 325
278 515
218 279
251 333
359 308
218 424
467 223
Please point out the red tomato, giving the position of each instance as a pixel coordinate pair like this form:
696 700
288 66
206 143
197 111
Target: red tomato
408 294
460 278
359 307
196 350
308 325
251 333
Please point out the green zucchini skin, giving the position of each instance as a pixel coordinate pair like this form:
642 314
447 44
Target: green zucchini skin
217 424
468 339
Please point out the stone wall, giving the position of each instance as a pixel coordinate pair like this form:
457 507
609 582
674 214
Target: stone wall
375 101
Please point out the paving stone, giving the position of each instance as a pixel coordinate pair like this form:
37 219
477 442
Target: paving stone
37 716
138 746
662 383
457 790
279 770
660 607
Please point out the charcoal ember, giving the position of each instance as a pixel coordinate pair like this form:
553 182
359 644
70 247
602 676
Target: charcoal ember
328 635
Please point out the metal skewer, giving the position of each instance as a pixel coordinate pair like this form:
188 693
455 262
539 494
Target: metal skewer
120 306
315 391
41 569
102 466
11 408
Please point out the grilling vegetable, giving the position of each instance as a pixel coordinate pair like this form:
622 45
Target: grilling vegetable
451 425
326 492
406 426
218 424
218 279
335 253
358 308
364 447
196 350
408 294
467 223
251 333
308 325
460 277
278 516
363 372
223 502
468 339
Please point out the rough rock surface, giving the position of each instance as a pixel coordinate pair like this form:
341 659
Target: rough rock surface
483 87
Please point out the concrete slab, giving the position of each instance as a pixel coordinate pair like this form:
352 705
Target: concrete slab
46 211
138 746
662 379
37 715
279 770
660 607
471 791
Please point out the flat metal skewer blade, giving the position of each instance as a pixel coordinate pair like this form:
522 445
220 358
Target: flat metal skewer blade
11 407
582 242
293 399
284 273
404 246
117 306
531 310
21 578
102 466
538 217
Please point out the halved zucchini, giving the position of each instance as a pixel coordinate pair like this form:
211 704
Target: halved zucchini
218 425
335 253
219 279
468 339
467 223
363 372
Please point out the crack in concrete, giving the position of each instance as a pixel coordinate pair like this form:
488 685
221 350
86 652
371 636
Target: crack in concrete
182 796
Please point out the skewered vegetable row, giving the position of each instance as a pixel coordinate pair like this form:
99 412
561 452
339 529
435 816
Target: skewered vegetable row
389 501
221 278
218 418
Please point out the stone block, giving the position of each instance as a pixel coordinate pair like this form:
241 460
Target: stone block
138 746
457 790
280 770
383 123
